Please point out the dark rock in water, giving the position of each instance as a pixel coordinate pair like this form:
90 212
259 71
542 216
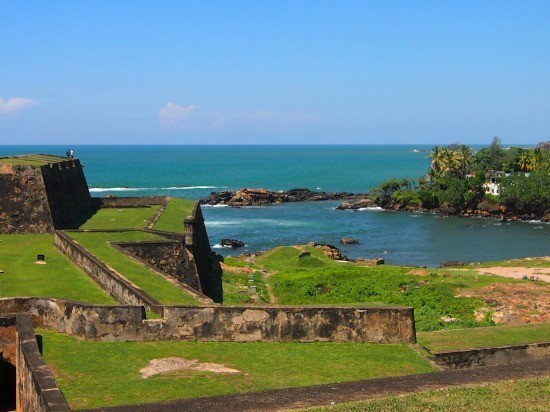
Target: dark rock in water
349 241
259 197
446 210
232 243
356 204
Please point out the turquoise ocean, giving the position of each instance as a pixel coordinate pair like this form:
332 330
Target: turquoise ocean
400 238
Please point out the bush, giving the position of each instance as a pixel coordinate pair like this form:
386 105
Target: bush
526 194
406 197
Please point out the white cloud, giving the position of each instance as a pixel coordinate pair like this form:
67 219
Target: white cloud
172 114
14 104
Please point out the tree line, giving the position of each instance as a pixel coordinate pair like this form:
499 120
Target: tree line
455 182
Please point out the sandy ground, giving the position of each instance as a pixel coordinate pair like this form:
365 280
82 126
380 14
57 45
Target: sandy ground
541 274
172 364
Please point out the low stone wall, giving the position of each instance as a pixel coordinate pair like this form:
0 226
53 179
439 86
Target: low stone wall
169 256
36 386
80 319
220 323
110 280
123 202
493 356
291 323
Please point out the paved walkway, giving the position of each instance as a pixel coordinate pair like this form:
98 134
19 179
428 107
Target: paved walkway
283 399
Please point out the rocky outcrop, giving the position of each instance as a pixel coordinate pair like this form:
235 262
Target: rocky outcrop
261 197
232 243
349 241
331 251
357 204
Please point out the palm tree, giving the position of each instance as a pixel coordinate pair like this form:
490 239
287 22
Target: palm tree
451 163
464 157
436 166
527 161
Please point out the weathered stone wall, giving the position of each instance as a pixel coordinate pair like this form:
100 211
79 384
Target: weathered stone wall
221 323
171 257
8 362
67 191
80 319
110 280
36 386
198 245
24 204
40 199
7 339
291 323
493 356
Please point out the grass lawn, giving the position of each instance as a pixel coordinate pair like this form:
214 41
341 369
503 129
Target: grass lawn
58 278
529 395
171 219
151 283
107 373
32 160
445 340
125 218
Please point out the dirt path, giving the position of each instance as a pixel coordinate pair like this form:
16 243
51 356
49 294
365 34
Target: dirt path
320 395
541 274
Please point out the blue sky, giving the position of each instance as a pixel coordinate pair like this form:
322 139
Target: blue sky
311 72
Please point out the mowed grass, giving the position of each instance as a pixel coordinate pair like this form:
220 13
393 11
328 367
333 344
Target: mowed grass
108 373
32 160
154 285
528 395
58 278
125 218
447 340
171 219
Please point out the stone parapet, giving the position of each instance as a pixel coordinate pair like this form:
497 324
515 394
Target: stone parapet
221 323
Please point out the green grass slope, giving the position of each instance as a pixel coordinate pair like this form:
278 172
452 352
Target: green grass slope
58 278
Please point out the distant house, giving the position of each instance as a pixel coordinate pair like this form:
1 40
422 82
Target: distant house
492 183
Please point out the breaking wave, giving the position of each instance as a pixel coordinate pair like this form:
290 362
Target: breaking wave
136 189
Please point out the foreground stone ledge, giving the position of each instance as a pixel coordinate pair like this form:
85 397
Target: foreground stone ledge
220 323
36 386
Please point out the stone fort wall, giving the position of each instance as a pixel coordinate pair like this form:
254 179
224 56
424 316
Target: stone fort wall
39 199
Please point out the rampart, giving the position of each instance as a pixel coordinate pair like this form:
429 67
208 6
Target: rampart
39 199
198 246
220 323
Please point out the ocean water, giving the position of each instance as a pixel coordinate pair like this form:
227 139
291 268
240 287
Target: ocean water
400 238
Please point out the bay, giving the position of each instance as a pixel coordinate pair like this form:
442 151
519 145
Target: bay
400 238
